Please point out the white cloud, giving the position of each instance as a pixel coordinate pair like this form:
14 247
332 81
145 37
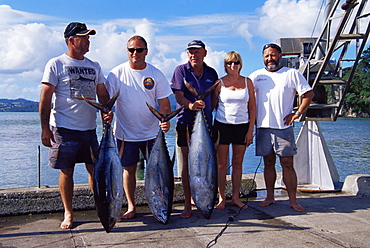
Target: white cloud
9 90
25 47
287 18
9 16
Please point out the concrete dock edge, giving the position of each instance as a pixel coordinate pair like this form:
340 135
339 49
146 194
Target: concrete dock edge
46 199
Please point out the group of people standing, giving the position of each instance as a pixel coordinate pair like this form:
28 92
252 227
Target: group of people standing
264 99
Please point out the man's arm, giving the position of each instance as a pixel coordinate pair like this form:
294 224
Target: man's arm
215 94
306 101
103 95
103 98
195 106
46 95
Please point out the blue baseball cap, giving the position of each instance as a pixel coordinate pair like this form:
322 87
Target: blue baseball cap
196 44
79 29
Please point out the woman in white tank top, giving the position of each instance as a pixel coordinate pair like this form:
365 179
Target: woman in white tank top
235 105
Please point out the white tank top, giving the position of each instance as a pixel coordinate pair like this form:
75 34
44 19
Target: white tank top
233 105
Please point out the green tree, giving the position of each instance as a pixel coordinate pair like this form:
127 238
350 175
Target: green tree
358 96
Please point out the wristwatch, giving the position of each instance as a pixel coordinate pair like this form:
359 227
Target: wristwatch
298 113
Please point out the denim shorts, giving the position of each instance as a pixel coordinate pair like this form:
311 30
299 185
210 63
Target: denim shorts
131 151
279 141
71 147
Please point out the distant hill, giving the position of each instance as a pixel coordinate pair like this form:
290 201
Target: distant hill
23 105
18 105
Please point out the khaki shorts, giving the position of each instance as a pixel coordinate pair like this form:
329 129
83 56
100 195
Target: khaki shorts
279 141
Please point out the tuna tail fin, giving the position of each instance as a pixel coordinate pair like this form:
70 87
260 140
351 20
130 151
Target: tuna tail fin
164 117
112 101
105 108
201 95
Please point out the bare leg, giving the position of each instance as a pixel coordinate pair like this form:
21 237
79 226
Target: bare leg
222 159
90 171
186 213
290 181
236 177
270 178
66 192
129 185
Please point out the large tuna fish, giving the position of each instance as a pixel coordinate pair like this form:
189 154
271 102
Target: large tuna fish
159 181
108 189
202 161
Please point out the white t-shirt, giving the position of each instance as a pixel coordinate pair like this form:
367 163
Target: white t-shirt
73 79
275 92
133 119
233 105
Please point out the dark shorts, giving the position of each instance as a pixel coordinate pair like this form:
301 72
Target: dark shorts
72 147
229 133
280 141
131 151
183 133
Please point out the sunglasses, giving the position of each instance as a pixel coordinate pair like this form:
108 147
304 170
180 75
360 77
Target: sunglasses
138 50
231 62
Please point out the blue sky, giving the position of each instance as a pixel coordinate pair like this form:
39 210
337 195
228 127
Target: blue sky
32 33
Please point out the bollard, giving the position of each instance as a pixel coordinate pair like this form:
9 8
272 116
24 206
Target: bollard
38 167
179 160
140 168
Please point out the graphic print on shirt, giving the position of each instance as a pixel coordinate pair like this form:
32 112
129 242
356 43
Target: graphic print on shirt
82 82
148 83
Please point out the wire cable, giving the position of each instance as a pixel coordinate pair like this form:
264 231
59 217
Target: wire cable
232 217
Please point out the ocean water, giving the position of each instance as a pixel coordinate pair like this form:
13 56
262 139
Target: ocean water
348 140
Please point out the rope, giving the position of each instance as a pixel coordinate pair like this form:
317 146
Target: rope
317 18
232 217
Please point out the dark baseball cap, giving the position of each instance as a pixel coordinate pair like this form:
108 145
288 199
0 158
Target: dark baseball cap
79 29
196 44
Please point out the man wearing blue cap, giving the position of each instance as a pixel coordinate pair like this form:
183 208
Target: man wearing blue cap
68 126
200 76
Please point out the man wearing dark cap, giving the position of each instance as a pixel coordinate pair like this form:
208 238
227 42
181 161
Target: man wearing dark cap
200 76
68 126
